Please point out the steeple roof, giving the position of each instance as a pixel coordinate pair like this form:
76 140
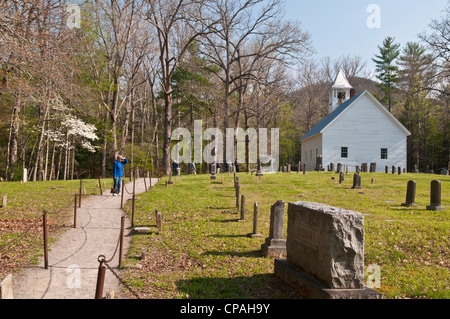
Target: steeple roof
341 82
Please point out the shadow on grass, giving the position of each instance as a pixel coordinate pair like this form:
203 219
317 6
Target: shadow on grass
224 220
248 254
263 286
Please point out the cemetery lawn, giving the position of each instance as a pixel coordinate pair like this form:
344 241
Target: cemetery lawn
25 206
203 250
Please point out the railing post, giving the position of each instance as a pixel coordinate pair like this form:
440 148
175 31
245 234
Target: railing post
100 280
100 184
122 231
121 193
44 221
75 212
134 198
81 187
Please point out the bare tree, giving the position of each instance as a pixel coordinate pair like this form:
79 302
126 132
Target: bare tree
177 27
228 47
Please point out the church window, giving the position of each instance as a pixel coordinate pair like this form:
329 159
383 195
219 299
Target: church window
344 152
384 153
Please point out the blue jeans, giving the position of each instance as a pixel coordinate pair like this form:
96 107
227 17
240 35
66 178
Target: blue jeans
118 182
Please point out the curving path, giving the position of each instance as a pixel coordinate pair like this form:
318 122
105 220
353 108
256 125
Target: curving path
73 264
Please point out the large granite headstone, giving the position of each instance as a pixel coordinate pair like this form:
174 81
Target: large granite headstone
325 252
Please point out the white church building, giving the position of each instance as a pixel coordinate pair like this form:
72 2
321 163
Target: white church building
358 129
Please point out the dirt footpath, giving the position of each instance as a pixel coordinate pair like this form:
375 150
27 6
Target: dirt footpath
73 260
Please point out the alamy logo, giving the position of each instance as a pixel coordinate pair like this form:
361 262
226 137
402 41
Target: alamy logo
74 18
374 19
213 152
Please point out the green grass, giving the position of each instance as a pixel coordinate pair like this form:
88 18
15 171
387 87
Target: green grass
203 251
28 201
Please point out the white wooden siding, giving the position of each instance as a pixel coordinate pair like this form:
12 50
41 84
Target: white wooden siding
310 145
364 129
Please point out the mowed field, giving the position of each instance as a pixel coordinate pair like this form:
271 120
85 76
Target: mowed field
203 250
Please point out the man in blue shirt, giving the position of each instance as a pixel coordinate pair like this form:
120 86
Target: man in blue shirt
118 172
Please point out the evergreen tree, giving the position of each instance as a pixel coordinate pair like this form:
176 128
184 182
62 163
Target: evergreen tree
387 69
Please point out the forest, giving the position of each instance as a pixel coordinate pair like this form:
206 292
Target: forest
85 81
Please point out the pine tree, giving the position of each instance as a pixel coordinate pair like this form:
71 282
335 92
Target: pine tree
387 69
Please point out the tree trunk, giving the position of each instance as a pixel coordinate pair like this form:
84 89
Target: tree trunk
105 145
167 130
13 141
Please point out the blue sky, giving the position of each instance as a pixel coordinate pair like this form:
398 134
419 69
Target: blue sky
340 27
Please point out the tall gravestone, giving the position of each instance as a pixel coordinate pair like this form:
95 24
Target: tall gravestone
410 194
341 177
356 181
325 252
275 245
255 222
435 196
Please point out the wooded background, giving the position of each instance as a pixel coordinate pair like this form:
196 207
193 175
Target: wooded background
72 98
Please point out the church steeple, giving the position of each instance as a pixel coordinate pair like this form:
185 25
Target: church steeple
339 91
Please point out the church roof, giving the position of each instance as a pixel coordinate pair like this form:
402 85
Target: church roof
341 108
341 82
330 117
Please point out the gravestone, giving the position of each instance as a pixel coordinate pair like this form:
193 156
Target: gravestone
275 245
170 182
357 169
331 167
158 218
299 167
288 168
393 169
304 168
373 167
356 181
255 222
341 177
237 195
242 208
410 194
25 175
325 253
259 171
339 168
444 171
142 230
364 167
399 170
386 169
6 288
213 171
4 201
435 196
318 162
